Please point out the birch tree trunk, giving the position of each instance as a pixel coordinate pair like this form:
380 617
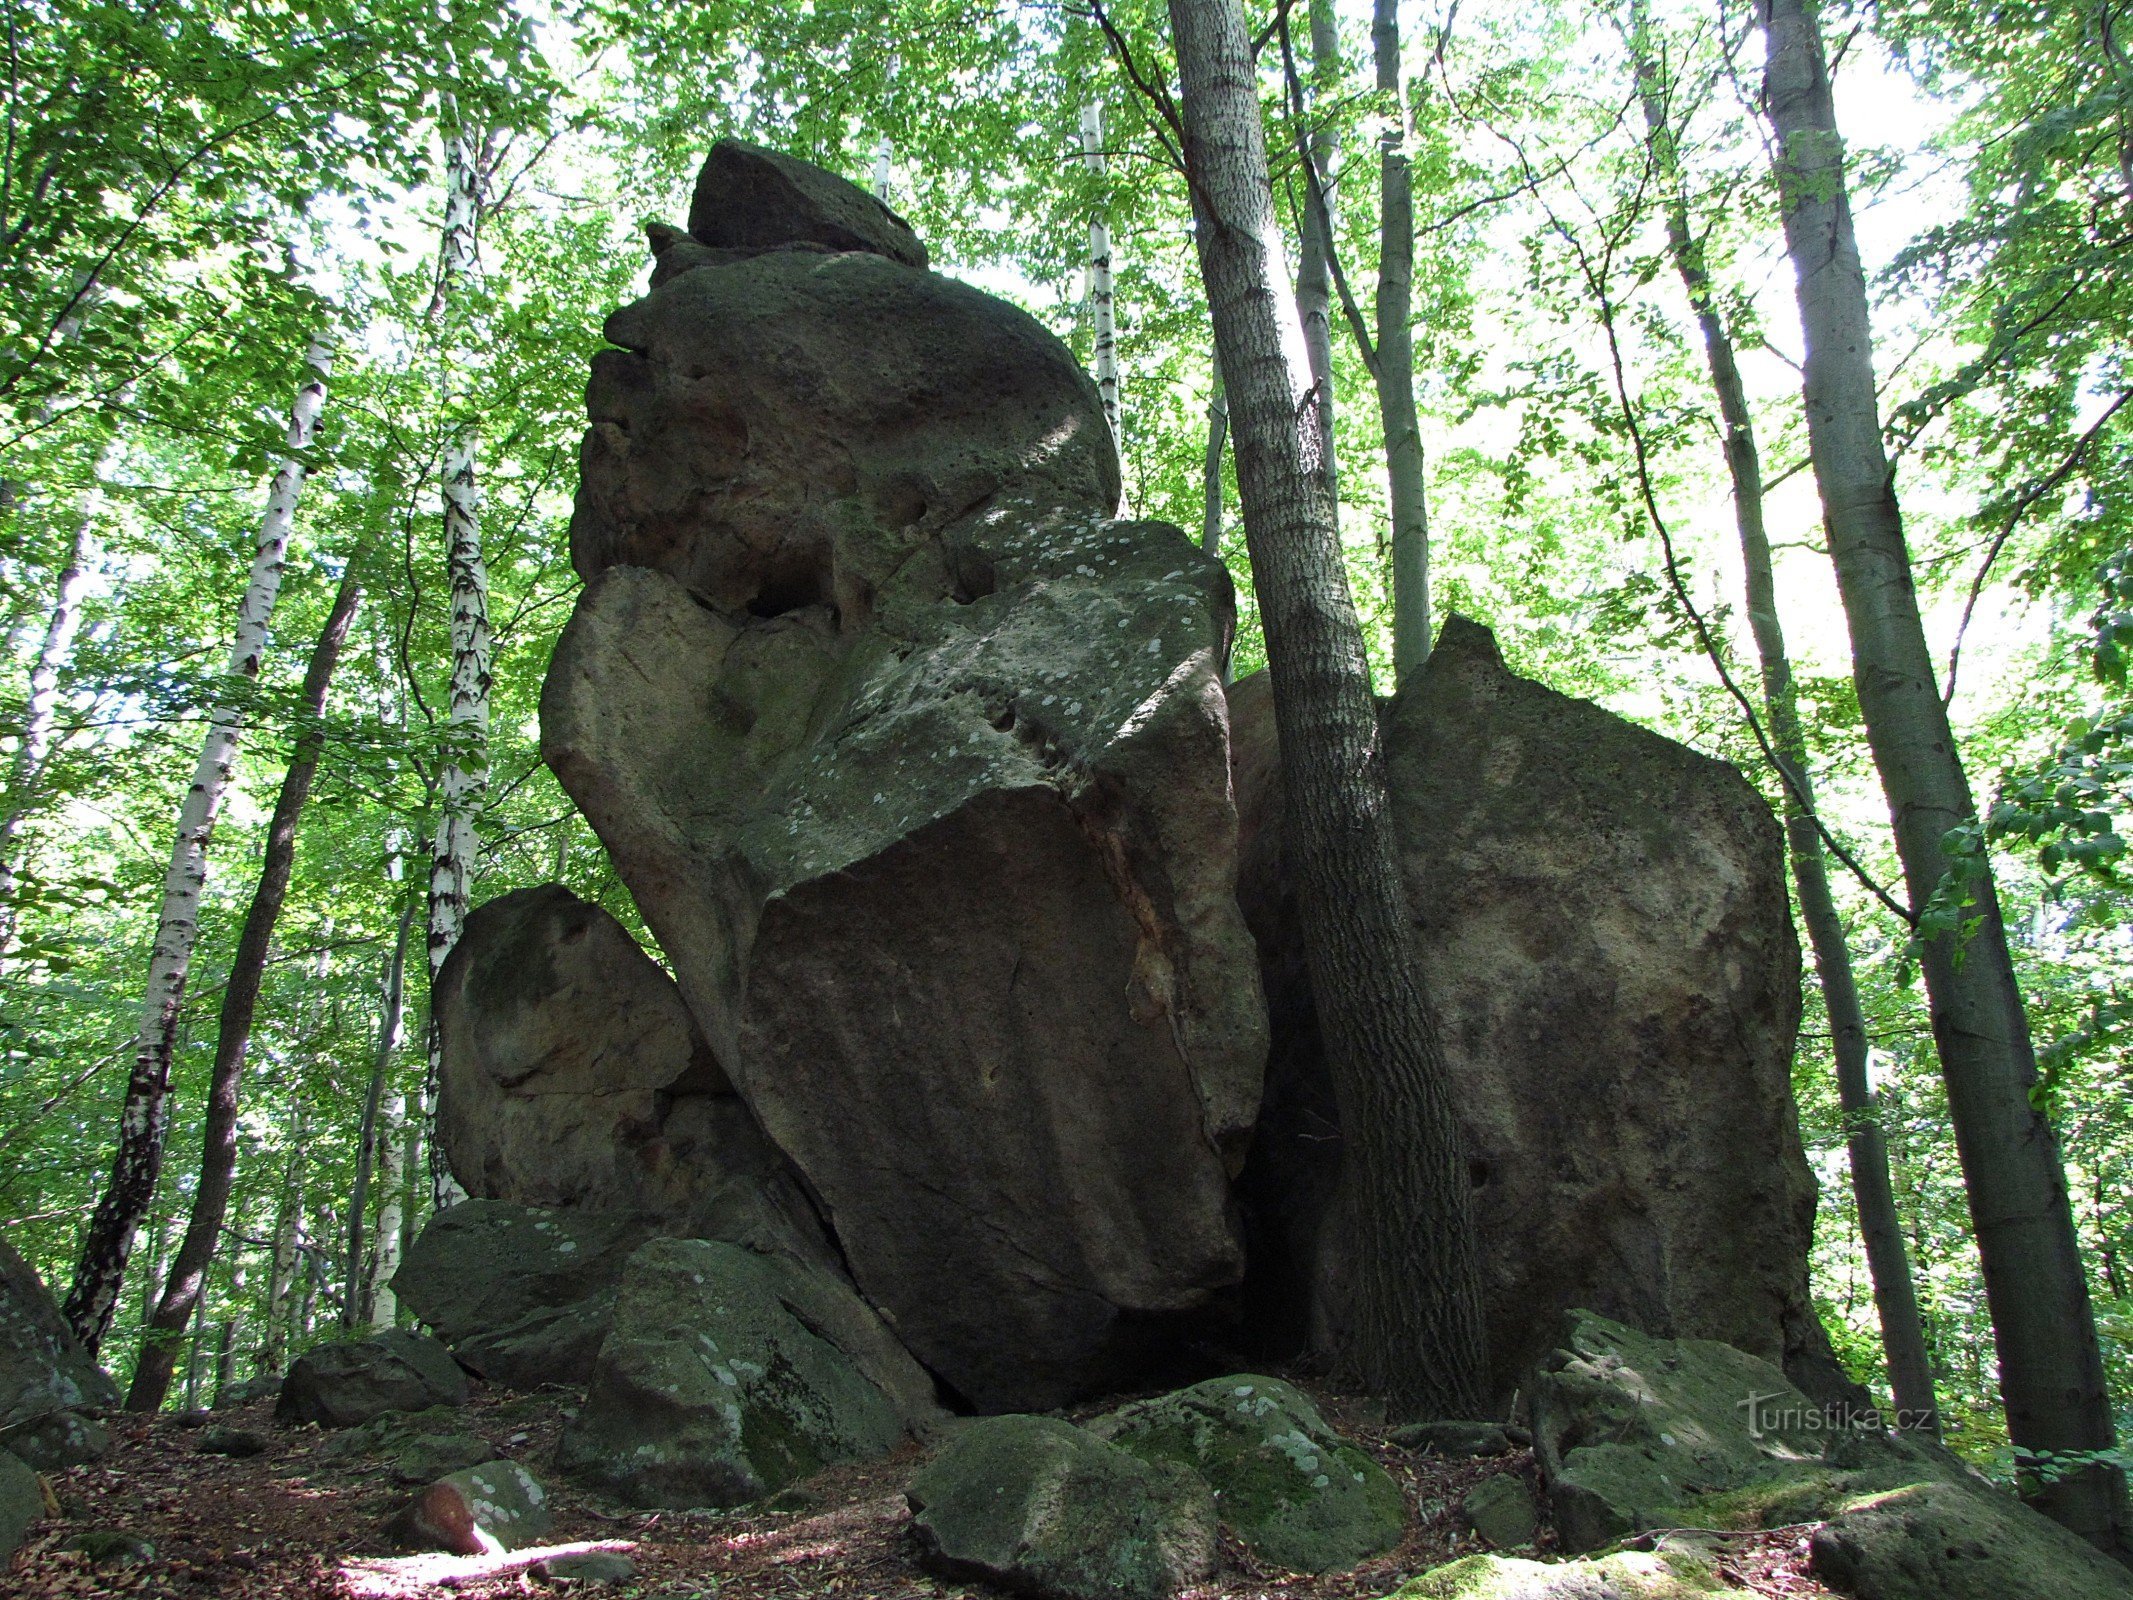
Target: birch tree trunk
1395 367
1103 308
882 155
1416 1335
353 1313
145 1116
1314 266
33 746
2051 1371
464 779
240 1004
378 1303
1903 1335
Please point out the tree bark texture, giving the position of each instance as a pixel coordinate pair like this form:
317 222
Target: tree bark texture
145 1116
2051 1370
1396 355
1103 298
393 998
1314 256
240 1004
1416 1335
1217 442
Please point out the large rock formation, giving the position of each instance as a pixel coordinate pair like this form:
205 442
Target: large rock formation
1603 924
46 1378
916 763
573 1076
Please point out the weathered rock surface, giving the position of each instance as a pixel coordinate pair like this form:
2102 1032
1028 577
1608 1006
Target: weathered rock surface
57 1440
1952 1541
916 764
1630 1575
1634 1432
351 1381
1043 1507
43 1367
714 1389
498 1505
521 1294
574 1077
1285 1483
1602 919
20 1503
1501 1510
749 198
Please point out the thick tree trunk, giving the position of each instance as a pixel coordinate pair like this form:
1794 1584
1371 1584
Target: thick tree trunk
2051 1371
353 1311
1416 1335
1103 307
145 1116
240 1004
1903 1337
1314 256
1396 355
465 775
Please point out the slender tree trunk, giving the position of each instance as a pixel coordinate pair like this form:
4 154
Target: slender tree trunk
882 173
33 746
384 1257
194 1348
1217 439
1314 265
1395 372
286 1263
2051 1370
240 1004
465 774
1903 1336
145 1116
1103 308
1416 1335
353 1314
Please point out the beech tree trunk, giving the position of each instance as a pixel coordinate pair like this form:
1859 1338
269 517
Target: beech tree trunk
1395 366
464 779
1416 1333
1103 308
285 1263
1903 1337
2051 1371
240 1004
145 1116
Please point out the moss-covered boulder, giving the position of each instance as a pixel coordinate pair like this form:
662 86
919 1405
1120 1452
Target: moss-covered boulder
1289 1486
1953 1541
495 1506
351 1381
20 1504
1629 1575
1045 1508
710 1391
43 1367
57 1440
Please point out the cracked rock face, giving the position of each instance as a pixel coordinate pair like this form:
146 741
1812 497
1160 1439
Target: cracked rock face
573 1076
916 762
1601 916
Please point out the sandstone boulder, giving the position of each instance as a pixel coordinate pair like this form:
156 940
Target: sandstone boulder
43 1367
478 1511
1294 1491
351 1381
1042 1507
711 1391
917 766
574 1077
1664 1574
1954 1541
57 1440
749 198
1602 919
21 1503
521 1295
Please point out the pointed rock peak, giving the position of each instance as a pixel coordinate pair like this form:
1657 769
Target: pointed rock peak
749 198
1464 639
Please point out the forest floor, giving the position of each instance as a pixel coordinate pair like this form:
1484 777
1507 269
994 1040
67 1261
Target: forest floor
300 1520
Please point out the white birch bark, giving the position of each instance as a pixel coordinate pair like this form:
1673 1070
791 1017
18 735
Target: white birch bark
1102 299
464 778
145 1116
882 175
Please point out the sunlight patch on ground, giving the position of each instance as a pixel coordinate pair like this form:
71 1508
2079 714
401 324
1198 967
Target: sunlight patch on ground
402 1575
